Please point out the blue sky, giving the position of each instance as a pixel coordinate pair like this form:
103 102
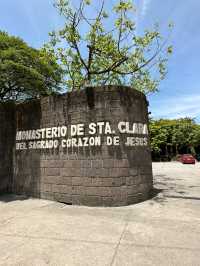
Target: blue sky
179 93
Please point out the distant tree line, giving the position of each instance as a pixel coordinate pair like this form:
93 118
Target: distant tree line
172 137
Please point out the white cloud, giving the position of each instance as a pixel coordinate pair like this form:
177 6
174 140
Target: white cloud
186 105
145 6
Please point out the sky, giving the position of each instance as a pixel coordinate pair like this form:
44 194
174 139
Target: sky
179 93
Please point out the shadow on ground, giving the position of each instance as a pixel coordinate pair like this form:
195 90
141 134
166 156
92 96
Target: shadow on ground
12 197
166 187
157 196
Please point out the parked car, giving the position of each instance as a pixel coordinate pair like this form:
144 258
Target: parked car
187 158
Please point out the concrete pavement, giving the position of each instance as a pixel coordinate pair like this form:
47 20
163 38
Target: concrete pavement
162 231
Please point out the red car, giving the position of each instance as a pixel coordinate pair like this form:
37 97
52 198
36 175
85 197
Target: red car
187 158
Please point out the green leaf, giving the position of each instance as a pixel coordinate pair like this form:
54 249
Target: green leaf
170 49
87 2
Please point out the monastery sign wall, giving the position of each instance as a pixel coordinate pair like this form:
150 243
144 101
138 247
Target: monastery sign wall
89 147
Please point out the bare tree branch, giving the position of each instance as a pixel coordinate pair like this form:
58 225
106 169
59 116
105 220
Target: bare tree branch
110 68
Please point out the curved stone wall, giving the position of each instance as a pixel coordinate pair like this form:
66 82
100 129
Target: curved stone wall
89 147
7 132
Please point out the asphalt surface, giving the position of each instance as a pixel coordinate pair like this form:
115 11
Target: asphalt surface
164 230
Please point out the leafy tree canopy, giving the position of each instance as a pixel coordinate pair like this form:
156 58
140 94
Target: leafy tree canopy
25 72
99 45
179 134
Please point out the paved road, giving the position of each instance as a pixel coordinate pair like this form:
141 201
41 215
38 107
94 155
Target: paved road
163 231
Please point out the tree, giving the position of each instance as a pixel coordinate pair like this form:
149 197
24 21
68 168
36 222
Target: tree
158 136
182 133
24 71
179 135
105 49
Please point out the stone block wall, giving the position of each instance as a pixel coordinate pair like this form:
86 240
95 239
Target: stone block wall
26 168
7 133
96 175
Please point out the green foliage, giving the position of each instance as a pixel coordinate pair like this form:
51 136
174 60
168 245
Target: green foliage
159 136
179 134
25 72
103 48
